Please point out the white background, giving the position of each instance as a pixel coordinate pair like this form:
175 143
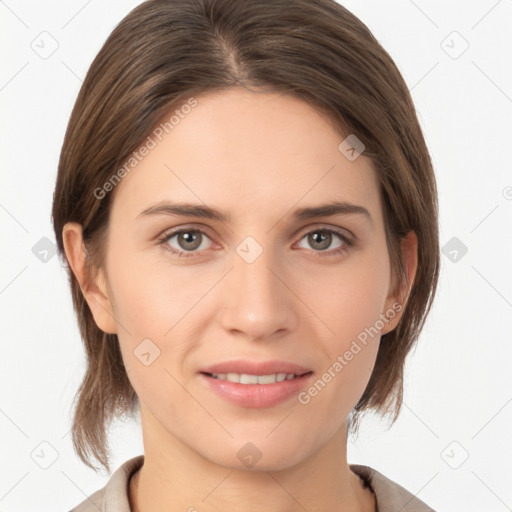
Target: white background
458 397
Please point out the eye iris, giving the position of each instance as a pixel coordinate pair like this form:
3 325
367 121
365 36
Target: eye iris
320 236
189 237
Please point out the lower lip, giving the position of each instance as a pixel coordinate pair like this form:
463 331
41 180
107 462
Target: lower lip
257 395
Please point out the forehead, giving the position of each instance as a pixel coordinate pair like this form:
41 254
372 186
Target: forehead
246 152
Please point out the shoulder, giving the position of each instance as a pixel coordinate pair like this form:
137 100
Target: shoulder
114 496
389 495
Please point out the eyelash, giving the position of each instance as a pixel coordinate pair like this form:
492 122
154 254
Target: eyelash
347 243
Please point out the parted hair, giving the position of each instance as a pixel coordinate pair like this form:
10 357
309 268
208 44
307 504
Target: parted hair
167 51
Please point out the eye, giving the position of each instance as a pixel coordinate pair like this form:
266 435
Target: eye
322 239
186 240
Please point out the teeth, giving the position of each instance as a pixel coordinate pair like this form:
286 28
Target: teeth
244 378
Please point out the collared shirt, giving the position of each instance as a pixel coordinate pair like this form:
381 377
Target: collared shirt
390 496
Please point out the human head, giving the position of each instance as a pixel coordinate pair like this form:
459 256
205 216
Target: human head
287 48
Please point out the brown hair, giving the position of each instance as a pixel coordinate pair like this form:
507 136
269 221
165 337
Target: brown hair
165 51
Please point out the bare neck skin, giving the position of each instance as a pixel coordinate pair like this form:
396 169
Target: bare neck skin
175 478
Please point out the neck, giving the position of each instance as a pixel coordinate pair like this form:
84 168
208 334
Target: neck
175 477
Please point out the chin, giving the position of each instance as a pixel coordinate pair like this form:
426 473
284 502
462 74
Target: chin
258 454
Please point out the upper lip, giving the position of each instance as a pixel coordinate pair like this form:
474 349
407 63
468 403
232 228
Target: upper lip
255 367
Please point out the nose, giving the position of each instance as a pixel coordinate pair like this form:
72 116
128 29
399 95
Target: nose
257 298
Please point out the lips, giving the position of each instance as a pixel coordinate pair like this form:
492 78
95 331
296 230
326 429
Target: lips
254 384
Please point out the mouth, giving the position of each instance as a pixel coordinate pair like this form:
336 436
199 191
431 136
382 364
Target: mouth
256 384
258 389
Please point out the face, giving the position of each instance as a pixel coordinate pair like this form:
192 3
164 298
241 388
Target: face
272 280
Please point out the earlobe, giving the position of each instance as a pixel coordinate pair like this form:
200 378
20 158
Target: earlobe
93 288
397 302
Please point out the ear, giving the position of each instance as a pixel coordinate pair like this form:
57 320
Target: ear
94 290
397 300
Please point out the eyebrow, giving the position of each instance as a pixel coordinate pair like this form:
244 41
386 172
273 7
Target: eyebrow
205 212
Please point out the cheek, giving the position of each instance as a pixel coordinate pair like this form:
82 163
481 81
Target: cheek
349 354
349 301
349 297
151 294
157 306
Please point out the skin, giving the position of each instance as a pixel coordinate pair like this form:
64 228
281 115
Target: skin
257 157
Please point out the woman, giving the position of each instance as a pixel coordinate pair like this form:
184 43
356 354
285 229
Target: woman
248 213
